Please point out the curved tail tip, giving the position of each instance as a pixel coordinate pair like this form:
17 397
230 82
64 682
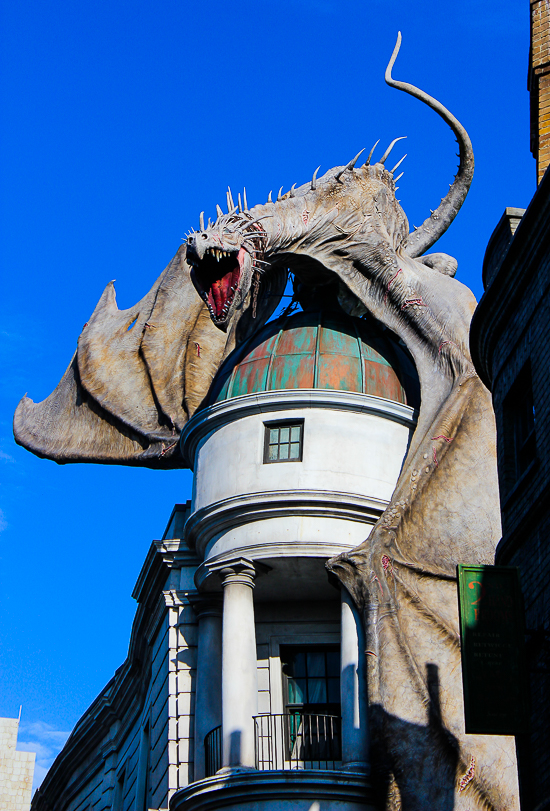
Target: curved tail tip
387 75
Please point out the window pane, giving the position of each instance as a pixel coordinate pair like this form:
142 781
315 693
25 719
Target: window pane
333 663
315 663
299 664
296 691
317 691
283 442
334 691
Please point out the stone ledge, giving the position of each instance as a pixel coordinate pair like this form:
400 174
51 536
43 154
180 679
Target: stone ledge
235 511
209 419
295 790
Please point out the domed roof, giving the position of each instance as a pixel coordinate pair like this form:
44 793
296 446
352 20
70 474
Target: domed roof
319 350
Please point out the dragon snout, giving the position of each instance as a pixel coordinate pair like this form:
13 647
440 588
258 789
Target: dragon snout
196 245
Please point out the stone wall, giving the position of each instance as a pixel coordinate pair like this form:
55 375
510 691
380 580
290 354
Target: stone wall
511 351
133 748
16 769
539 84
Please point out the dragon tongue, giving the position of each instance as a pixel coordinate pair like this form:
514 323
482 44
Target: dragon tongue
221 292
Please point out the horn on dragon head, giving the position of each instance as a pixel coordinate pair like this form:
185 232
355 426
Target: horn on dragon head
437 223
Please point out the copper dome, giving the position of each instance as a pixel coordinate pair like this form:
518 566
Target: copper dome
319 350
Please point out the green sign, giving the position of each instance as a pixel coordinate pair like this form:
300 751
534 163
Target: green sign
494 674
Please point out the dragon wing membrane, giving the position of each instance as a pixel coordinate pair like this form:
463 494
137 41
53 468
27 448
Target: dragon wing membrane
136 378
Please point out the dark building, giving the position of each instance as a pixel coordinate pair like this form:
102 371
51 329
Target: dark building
510 347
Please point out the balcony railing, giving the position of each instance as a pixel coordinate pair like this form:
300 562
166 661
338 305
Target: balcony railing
297 740
291 740
213 751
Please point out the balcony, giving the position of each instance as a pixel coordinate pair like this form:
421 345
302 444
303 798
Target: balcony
288 741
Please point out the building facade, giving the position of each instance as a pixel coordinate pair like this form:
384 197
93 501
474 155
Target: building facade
244 685
509 336
16 769
508 343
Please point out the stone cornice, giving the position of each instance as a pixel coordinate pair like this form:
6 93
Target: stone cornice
211 418
258 552
232 512
531 242
254 788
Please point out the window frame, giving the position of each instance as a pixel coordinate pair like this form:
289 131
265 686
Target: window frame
520 445
309 707
292 423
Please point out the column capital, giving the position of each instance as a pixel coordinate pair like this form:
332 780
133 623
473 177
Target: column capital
206 605
236 570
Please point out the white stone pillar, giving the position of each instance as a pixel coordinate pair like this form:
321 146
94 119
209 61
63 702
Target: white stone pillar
239 665
353 689
208 698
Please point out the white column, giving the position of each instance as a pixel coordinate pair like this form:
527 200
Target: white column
353 689
239 665
208 699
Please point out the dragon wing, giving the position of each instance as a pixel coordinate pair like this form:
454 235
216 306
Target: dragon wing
134 381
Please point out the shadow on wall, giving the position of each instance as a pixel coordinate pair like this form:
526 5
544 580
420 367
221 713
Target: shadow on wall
235 758
425 774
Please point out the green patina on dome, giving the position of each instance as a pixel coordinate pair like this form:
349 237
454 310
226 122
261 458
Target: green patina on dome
319 350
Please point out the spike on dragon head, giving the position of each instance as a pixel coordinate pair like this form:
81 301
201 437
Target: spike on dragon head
228 258
224 259
346 222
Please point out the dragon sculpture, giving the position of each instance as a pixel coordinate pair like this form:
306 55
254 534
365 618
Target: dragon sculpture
139 374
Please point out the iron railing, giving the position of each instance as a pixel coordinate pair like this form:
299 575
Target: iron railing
298 740
291 740
213 751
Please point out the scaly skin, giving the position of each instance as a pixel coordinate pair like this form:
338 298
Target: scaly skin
130 389
445 508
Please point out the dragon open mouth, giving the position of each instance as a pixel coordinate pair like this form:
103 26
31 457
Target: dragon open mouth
216 277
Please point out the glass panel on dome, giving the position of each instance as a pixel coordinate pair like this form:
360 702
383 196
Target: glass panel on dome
298 341
250 377
338 338
383 382
283 441
339 373
292 372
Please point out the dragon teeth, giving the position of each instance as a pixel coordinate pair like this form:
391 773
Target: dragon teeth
218 253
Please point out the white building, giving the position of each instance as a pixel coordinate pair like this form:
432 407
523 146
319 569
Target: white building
244 686
16 769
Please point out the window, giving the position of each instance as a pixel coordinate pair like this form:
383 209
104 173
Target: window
283 441
519 427
311 689
312 679
143 789
118 794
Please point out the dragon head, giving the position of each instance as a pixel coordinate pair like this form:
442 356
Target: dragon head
224 259
232 258
348 222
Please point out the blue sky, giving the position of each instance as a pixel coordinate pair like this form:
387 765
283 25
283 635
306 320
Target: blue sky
121 122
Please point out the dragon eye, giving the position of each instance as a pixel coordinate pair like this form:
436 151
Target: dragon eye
204 236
